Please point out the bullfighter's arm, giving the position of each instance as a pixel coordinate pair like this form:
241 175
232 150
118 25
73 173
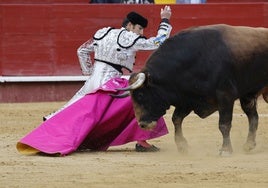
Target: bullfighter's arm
83 53
163 33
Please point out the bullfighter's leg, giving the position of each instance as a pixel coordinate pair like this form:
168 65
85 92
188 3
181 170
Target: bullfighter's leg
177 119
226 105
249 107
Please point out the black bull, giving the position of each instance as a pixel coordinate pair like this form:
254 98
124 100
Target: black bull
204 69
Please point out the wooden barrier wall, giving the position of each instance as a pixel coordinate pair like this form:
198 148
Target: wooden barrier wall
42 39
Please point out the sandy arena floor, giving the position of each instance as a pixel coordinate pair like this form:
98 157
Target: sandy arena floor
122 167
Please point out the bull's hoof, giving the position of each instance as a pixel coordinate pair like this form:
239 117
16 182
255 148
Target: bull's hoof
183 150
226 152
248 146
182 147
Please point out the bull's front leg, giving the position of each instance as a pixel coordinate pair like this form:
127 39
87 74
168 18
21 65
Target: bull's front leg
249 107
225 124
180 141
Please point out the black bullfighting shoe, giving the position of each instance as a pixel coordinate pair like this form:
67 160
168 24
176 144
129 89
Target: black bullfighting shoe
140 148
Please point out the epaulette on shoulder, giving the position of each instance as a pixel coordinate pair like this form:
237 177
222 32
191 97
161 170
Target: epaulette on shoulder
127 39
100 34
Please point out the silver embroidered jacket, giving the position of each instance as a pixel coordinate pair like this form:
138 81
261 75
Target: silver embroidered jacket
118 46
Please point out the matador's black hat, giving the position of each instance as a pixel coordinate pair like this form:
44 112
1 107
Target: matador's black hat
136 18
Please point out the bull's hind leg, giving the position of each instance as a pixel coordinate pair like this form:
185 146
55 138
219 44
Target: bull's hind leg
248 105
177 119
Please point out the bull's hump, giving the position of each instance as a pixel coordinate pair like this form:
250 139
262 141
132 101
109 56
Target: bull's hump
243 40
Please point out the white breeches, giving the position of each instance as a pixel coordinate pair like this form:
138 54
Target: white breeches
100 75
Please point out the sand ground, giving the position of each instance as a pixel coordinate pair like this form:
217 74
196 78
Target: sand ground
123 167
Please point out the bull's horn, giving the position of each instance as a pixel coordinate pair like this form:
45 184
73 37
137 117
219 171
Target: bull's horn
140 78
122 95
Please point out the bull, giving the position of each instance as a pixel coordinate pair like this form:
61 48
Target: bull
204 69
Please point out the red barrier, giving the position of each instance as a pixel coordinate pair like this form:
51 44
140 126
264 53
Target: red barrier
42 39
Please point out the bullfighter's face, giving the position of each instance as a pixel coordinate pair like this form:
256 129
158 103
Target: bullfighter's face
135 28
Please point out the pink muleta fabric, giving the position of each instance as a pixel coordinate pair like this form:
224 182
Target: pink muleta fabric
97 121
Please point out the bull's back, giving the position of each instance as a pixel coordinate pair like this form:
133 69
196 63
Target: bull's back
197 59
195 55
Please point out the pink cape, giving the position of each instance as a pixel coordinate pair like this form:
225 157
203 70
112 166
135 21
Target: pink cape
95 122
